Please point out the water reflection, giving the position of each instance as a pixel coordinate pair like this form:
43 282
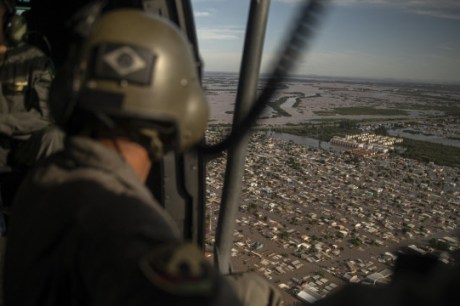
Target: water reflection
290 102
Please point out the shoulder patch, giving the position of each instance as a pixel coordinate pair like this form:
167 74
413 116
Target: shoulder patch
178 268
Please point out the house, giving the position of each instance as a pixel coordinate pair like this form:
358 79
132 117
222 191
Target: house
297 264
351 266
309 296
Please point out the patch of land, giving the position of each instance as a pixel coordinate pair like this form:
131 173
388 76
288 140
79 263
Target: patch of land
301 100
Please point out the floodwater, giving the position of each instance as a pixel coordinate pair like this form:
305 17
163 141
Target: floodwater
424 137
289 102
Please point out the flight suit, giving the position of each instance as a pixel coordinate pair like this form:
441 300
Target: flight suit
26 134
86 231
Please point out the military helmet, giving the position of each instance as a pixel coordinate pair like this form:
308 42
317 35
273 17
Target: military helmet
134 65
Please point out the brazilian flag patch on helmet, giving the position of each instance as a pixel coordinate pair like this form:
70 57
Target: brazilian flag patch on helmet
121 62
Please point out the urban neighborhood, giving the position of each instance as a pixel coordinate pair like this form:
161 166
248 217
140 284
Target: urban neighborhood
312 220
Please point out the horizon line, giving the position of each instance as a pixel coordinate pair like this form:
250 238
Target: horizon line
381 79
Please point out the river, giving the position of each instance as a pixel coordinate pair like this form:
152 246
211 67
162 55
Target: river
423 137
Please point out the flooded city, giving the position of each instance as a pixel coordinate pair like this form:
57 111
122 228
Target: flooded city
327 199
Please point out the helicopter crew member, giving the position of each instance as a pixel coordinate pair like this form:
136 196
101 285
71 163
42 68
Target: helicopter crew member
25 77
85 230
26 133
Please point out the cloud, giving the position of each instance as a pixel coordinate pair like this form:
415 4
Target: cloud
438 14
403 3
447 9
202 14
289 1
223 33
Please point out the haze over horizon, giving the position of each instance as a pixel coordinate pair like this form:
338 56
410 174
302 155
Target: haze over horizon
414 40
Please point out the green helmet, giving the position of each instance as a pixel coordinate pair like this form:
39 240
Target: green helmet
139 66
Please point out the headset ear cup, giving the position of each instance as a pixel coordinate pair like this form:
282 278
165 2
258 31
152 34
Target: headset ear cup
16 29
14 26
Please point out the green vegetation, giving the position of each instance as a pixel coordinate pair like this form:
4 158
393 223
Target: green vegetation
414 149
431 152
323 132
449 109
381 130
355 241
324 113
276 105
355 111
298 99
294 164
285 235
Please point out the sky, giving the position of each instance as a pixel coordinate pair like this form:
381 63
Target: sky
385 39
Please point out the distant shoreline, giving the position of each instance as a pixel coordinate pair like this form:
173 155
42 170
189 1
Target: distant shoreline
343 79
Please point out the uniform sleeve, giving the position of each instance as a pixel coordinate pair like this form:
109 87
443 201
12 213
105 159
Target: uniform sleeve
20 125
130 256
41 84
24 109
